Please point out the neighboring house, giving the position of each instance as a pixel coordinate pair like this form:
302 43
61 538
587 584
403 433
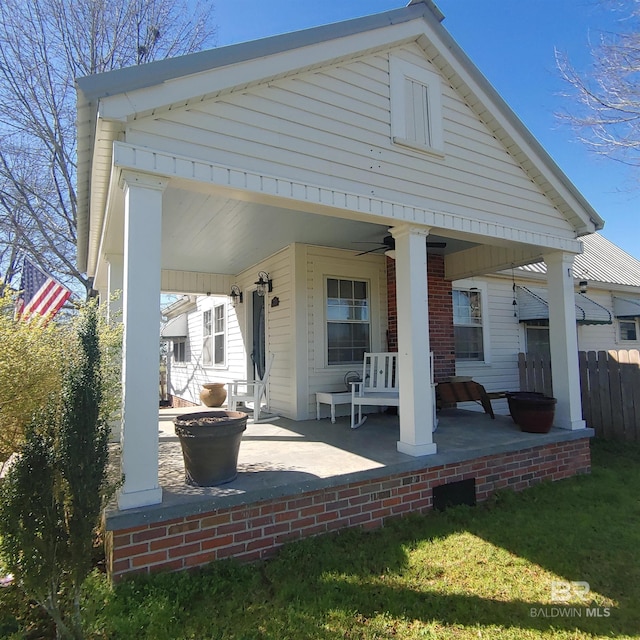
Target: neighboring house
487 342
280 157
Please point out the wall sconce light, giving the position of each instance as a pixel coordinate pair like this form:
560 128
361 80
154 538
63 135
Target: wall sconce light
264 283
583 286
235 295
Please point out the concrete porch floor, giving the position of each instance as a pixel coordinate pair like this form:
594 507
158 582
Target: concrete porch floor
285 457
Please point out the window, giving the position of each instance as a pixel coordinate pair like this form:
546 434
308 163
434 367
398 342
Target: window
467 324
538 340
179 351
348 322
416 107
213 327
628 329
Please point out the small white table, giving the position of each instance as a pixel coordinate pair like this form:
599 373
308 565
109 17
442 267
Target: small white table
332 398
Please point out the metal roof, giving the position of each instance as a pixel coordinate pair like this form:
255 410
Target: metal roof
533 305
602 261
626 307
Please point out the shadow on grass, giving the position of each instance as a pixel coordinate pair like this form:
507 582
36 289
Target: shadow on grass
583 529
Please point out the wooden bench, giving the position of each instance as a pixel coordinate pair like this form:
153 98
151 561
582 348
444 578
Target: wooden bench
378 387
453 392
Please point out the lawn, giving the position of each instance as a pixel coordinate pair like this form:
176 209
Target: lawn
481 572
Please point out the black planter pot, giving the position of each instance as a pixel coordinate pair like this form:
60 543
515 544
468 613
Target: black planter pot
210 443
533 412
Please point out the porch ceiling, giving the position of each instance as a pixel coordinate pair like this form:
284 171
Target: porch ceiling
215 233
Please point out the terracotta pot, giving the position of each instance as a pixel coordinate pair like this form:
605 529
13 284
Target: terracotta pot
213 394
210 443
532 412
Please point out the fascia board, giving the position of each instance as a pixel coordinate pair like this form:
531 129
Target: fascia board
180 92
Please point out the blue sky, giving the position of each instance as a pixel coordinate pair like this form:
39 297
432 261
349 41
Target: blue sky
513 43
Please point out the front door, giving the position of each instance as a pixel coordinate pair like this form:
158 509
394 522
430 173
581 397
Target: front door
259 351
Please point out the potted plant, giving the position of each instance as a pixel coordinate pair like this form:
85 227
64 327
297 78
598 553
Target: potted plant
532 411
210 442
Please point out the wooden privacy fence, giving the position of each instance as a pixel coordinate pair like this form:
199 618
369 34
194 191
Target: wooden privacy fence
610 386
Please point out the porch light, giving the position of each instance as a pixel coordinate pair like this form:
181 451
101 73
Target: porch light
235 295
583 286
264 283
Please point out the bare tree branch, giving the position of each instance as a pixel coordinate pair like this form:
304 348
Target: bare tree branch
606 107
44 46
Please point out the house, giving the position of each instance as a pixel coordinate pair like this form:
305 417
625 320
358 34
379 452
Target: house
512 317
267 167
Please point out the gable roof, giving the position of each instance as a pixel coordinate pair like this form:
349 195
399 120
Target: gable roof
105 101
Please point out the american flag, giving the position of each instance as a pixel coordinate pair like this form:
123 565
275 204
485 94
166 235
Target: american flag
41 294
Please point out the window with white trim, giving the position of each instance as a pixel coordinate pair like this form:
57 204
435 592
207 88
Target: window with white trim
468 326
416 107
180 351
628 329
214 337
348 320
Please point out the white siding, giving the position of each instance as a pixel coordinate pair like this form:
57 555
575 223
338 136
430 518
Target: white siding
331 127
186 380
320 263
500 373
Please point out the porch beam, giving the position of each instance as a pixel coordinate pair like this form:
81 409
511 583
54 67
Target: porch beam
196 282
488 258
282 191
416 411
141 316
563 339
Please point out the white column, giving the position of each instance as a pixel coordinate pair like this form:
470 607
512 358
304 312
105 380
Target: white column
416 400
141 316
115 280
563 338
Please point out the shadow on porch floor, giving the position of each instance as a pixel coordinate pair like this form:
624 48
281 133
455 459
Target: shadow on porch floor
287 457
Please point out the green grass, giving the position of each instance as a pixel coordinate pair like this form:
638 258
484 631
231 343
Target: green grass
466 573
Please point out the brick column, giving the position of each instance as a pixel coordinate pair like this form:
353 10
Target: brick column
440 316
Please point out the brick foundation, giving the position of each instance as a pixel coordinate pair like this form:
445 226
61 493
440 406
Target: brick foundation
253 531
441 336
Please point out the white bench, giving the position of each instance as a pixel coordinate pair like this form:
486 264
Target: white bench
378 387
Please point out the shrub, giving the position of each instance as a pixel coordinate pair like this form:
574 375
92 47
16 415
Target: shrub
52 497
31 366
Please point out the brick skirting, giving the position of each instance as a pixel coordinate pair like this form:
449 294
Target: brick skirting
253 531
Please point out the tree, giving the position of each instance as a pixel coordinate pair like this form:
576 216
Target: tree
608 113
44 46
51 499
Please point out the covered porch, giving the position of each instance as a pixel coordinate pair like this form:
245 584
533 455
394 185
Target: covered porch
302 478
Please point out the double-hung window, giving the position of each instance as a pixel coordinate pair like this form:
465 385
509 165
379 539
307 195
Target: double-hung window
348 320
214 336
468 324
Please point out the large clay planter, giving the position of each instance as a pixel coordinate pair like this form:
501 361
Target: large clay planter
213 394
532 412
210 443
514 405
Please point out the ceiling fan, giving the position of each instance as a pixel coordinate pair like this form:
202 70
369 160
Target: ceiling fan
389 244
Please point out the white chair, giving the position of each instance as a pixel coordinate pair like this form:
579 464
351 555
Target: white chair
251 391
